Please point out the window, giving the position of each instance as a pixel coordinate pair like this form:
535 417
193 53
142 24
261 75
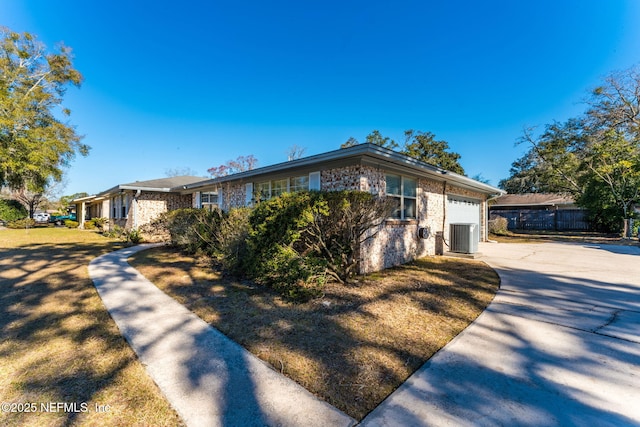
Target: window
268 189
124 204
264 190
278 187
116 206
209 200
403 191
299 183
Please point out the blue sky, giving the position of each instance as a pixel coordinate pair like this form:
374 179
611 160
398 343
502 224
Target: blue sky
193 84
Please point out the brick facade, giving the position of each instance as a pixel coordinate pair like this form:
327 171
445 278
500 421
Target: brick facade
396 241
148 206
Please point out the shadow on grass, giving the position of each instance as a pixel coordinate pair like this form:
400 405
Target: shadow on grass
526 382
58 342
343 348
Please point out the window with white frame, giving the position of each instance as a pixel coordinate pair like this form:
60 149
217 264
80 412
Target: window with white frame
403 191
279 186
209 200
263 190
120 206
299 183
124 205
268 189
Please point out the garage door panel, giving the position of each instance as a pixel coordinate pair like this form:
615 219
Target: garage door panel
462 210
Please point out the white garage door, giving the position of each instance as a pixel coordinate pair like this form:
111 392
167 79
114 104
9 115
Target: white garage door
462 210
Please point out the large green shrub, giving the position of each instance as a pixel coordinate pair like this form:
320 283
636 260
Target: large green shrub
296 240
275 227
231 238
12 210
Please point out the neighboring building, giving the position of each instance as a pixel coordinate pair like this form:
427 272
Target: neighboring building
138 203
427 197
540 211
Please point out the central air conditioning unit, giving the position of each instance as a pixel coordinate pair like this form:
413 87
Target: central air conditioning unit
463 238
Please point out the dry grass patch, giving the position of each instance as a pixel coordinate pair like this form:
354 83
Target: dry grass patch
352 347
59 344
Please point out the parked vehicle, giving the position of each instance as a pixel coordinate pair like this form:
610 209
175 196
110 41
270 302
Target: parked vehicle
41 217
60 219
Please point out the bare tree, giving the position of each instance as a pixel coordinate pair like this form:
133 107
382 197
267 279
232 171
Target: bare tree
240 164
295 152
171 172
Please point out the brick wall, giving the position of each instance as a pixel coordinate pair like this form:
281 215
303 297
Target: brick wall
396 242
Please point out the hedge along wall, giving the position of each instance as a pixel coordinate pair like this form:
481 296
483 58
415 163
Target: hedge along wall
397 241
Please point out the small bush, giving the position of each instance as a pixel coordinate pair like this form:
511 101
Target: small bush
116 232
22 223
12 210
133 236
70 223
498 226
100 223
157 230
194 230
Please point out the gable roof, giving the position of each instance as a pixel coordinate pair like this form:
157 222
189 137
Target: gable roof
533 199
163 185
370 154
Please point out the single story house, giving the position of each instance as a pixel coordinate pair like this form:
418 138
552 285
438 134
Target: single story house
428 198
540 211
135 204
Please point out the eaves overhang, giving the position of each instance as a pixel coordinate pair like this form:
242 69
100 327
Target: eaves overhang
369 154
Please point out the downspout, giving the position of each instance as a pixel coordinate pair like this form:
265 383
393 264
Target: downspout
444 211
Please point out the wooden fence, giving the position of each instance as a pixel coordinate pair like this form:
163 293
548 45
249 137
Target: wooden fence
539 219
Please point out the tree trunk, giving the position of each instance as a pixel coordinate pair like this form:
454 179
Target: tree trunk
626 231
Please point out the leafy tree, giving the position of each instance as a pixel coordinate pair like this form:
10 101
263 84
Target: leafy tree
552 164
35 143
594 157
424 147
29 199
11 210
375 137
350 142
241 164
419 145
613 162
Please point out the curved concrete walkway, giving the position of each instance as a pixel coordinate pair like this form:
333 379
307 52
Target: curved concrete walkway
207 378
558 346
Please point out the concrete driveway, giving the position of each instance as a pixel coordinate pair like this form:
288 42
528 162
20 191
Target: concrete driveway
558 346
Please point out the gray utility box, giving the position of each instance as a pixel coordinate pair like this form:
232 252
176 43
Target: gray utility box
463 238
